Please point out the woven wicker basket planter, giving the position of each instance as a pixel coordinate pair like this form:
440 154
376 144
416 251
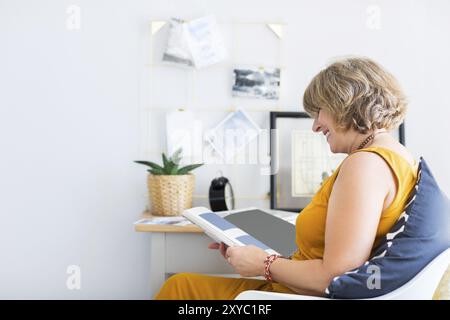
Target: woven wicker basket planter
170 194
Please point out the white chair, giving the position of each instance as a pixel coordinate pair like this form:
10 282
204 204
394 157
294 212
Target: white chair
421 287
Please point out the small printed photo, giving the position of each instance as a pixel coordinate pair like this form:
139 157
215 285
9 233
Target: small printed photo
259 83
232 134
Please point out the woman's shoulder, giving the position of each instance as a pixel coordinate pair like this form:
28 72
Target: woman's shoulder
363 164
394 146
362 174
372 163
388 147
380 164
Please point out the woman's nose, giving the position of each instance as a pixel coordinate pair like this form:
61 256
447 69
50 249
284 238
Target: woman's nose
316 126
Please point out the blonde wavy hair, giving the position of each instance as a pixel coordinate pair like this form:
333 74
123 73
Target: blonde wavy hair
359 94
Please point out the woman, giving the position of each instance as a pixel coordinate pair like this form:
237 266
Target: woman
354 103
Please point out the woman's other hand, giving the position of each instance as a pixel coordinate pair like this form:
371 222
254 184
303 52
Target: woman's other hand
219 246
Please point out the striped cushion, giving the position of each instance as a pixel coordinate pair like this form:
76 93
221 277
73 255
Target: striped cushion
421 233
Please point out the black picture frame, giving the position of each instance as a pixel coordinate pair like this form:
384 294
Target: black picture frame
274 116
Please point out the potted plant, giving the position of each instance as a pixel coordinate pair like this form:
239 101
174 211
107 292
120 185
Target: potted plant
170 186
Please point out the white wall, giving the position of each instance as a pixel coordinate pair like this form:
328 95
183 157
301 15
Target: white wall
71 121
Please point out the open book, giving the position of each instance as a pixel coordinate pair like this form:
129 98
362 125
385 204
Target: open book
222 230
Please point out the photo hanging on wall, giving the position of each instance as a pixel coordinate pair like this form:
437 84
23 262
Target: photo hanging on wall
232 134
197 42
259 83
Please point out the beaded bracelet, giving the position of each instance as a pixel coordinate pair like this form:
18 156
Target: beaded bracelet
267 263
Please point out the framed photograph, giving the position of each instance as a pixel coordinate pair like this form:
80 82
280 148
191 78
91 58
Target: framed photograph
258 83
300 160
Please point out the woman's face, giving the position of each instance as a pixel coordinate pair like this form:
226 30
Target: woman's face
336 138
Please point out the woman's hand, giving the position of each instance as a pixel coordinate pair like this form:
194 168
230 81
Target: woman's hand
219 246
248 261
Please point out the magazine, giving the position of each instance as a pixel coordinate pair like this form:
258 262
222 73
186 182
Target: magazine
222 230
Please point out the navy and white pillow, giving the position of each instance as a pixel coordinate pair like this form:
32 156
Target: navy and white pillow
421 233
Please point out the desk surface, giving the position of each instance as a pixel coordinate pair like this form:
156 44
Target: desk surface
142 227
190 228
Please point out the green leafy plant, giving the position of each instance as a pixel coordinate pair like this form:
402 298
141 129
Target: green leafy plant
171 165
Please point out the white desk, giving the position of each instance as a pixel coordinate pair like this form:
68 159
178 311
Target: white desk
176 249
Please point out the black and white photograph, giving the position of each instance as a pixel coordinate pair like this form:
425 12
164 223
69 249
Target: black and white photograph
259 83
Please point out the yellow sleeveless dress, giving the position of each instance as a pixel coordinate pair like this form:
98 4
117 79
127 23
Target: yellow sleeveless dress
310 235
310 224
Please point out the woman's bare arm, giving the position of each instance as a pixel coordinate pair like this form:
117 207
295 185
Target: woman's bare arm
353 215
